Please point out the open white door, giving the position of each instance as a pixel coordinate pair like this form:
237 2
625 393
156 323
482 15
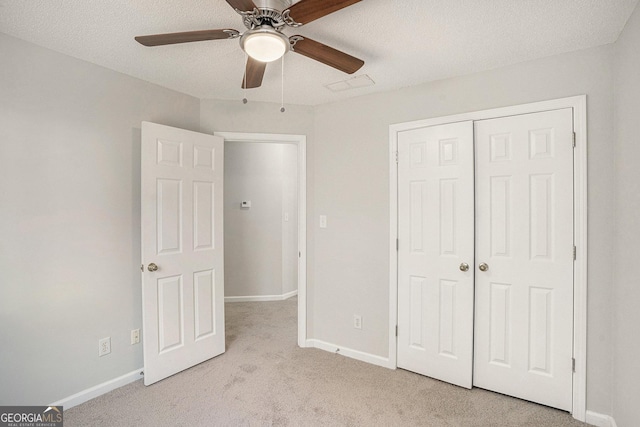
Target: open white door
182 249
435 256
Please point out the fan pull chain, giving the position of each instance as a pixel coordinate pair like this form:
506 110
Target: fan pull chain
282 94
244 80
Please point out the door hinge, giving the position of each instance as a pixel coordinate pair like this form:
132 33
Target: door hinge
397 244
299 254
573 364
575 253
396 330
142 268
574 140
396 157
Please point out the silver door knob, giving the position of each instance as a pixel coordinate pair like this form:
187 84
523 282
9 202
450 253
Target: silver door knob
152 267
464 267
483 267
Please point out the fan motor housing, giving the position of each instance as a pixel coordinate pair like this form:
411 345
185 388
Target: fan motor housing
267 12
278 5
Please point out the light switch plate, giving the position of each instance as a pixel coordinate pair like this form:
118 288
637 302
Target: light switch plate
323 221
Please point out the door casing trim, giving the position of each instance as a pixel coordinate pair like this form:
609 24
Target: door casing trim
301 142
579 106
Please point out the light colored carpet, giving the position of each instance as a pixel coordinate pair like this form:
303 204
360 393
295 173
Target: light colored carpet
264 379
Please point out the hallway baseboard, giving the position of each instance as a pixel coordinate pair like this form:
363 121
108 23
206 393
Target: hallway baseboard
258 298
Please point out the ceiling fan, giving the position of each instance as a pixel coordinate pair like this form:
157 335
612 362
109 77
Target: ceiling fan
264 42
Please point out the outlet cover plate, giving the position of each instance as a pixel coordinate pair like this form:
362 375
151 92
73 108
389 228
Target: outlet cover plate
104 346
357 321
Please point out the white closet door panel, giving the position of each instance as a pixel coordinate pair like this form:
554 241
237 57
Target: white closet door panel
436 219
524 233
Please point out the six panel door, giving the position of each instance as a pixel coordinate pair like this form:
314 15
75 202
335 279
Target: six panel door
435 258
182 235
522 333
524 237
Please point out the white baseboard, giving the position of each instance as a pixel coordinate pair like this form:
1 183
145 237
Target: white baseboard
98 390
600 420
259 298
354 354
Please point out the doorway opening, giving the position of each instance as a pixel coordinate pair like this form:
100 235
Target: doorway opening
265 219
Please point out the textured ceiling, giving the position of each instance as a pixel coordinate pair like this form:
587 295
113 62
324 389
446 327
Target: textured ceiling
403 43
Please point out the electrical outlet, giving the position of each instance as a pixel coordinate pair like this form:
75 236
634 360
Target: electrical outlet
104 346
323 221
135 336
357 321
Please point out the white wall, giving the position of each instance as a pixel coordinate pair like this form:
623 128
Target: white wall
626 316
351 273
70 218
258 250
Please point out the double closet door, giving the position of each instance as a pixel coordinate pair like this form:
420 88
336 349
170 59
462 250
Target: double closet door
485 259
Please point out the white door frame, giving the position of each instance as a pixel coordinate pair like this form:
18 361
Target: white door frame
301 142
579 105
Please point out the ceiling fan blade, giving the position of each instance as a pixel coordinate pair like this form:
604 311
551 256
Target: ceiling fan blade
325 54
242 5
189 36
254 73
306 11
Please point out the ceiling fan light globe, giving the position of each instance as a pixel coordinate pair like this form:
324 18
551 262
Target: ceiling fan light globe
265 46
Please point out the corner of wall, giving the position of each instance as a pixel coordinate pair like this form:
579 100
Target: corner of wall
626 295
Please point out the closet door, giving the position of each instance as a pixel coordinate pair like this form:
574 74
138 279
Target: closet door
435 256
524 257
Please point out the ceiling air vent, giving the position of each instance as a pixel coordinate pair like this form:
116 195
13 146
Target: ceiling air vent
353 83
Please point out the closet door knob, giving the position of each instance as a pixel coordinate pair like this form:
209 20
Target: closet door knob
152 267
483 267
464 267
